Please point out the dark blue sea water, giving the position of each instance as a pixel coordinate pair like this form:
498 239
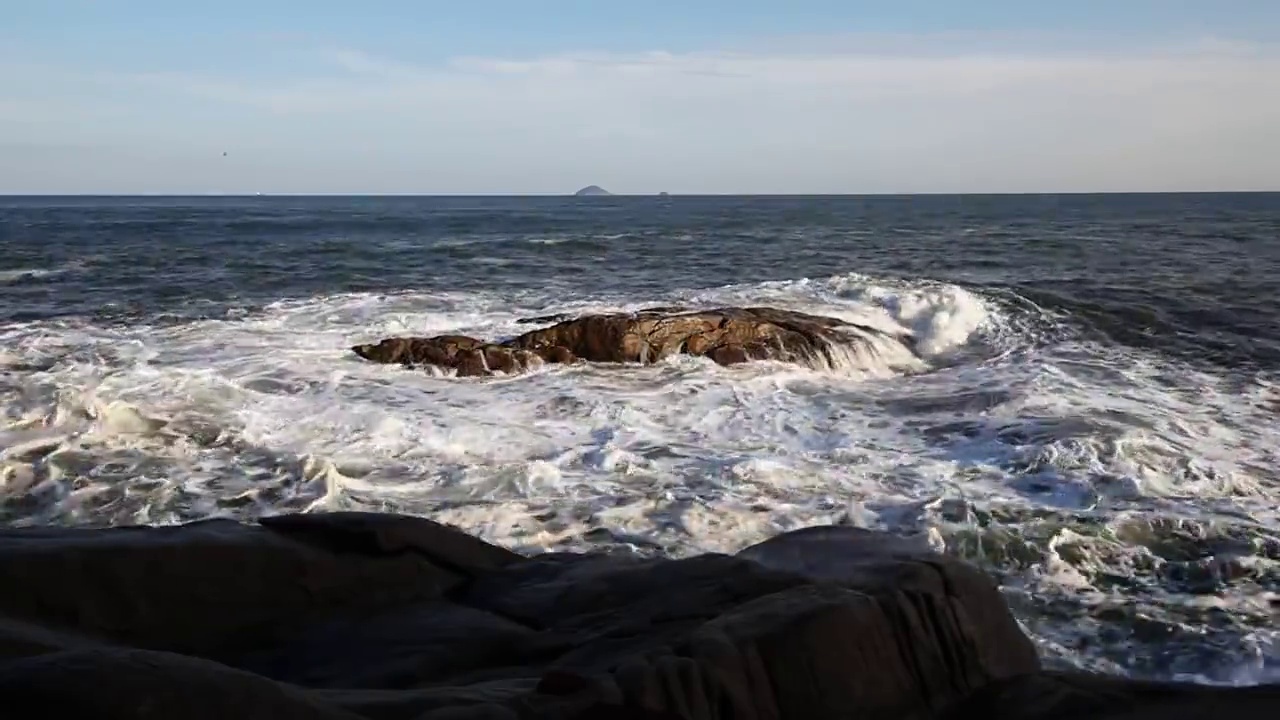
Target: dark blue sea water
1094 415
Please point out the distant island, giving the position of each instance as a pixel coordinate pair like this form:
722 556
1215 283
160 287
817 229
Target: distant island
593 190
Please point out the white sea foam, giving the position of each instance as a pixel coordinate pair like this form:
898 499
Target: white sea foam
271 411
31 273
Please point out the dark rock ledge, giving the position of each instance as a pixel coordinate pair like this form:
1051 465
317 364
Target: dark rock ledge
353 615
727 335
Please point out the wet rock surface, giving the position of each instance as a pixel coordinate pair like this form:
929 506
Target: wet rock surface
727 336
362 615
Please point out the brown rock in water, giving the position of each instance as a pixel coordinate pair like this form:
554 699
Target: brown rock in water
440 350
725 335
468 356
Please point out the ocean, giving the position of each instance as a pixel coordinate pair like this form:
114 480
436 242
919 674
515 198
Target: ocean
1095 417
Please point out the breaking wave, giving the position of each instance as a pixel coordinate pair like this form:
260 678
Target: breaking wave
1138 487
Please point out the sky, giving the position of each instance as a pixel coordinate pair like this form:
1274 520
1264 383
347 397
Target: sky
696 96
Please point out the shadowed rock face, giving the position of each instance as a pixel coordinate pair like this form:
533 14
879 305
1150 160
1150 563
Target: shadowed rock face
725 335
361 616
352 615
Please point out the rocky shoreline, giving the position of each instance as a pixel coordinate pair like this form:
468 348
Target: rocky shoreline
388 617
727 335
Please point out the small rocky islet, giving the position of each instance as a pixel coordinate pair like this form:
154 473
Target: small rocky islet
727 335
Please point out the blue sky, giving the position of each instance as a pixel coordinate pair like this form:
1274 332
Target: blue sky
746 96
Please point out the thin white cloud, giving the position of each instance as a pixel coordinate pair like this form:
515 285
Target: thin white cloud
19 110
1200 115
363 63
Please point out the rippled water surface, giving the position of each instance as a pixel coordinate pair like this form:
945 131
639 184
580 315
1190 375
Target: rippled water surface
1095 418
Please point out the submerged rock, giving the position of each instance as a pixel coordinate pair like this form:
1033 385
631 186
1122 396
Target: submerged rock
725 335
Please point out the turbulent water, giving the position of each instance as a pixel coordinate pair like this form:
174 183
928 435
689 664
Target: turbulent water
1094 417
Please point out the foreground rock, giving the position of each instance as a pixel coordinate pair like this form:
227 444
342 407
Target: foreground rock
725 335
352 615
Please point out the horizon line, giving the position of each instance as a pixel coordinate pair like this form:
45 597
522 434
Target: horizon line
633 195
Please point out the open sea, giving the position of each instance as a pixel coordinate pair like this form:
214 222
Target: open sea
1095 417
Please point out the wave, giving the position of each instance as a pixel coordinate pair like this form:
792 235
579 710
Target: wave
16 275
1088 475
266 377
